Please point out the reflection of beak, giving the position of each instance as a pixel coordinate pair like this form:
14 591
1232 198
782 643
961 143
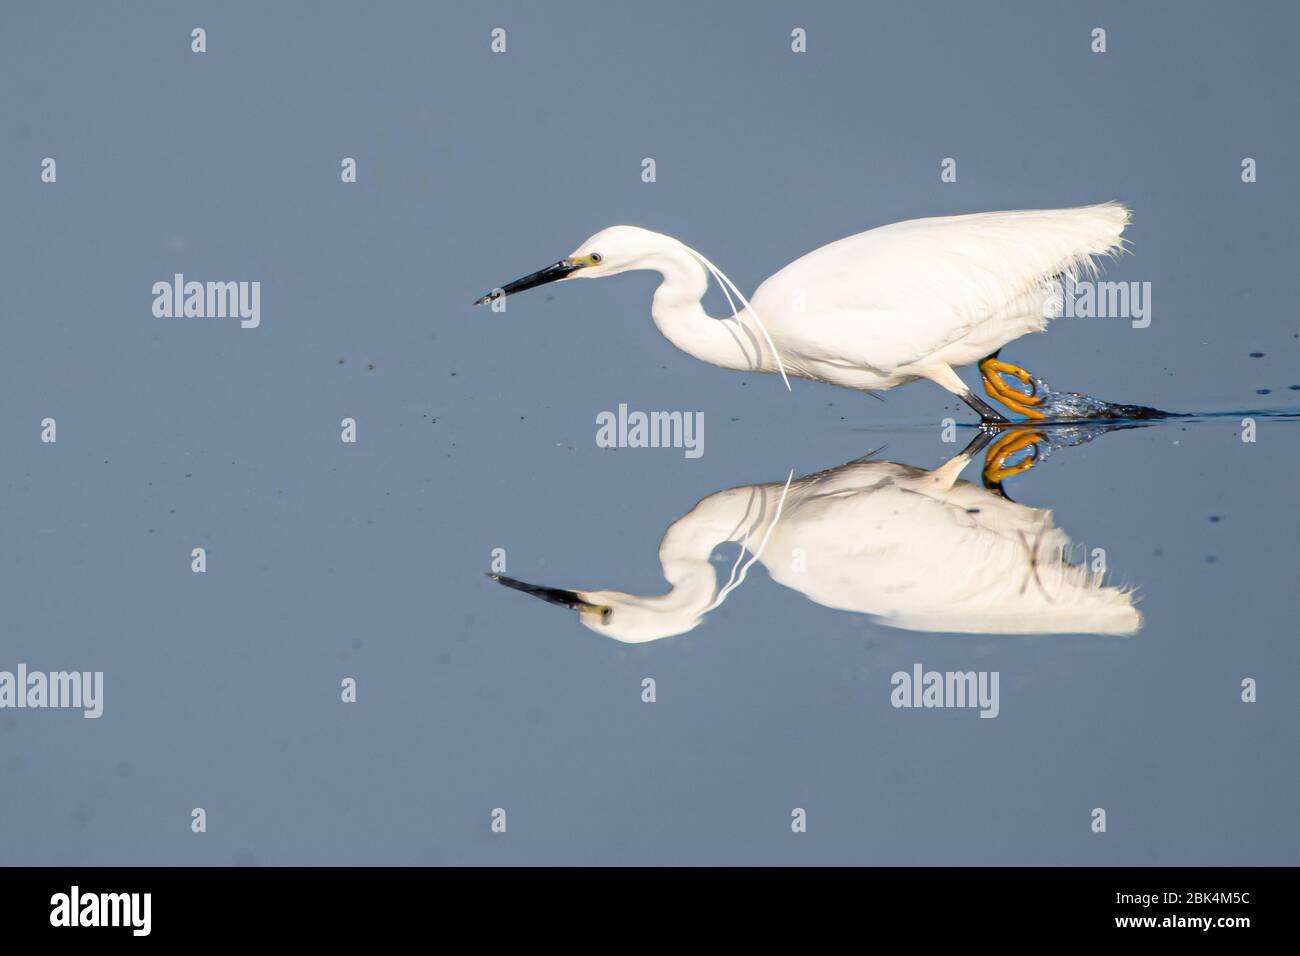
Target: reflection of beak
552 273
560 596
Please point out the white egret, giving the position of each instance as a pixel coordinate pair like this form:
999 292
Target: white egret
916 549
911 300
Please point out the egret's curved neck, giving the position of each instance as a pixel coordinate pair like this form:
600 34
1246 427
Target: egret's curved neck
678 313
736 514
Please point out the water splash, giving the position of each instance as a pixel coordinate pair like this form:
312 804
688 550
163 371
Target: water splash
1069 436
1076 406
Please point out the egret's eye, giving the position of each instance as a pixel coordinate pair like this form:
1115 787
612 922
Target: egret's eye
595 257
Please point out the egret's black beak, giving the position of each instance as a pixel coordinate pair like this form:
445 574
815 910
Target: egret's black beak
552 273
559 596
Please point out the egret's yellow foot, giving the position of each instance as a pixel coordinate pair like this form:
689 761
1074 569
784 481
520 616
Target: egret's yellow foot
996 469
992 370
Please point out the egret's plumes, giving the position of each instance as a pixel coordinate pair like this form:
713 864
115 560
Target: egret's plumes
879 309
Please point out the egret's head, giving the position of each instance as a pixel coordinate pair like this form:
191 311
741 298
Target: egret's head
609 252
613 614
617 249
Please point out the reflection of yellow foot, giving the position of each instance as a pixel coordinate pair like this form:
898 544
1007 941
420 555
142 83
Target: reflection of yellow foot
992 370
996 469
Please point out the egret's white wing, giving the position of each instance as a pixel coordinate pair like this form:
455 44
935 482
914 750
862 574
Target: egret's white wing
892 296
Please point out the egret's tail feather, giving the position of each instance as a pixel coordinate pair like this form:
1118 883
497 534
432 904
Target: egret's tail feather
1016 261
1098 231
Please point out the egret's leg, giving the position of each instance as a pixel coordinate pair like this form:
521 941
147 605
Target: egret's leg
992 370
996 469
1016 401
945 377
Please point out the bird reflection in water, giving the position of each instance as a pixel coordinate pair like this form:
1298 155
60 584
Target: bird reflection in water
915 549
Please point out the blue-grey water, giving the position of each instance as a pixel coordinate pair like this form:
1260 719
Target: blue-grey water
476 431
